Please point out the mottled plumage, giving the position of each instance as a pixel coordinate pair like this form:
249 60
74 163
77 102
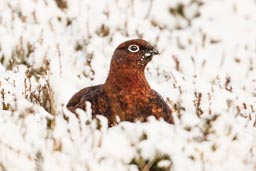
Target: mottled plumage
126 93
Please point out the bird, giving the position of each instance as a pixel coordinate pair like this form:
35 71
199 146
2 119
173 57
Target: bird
126 95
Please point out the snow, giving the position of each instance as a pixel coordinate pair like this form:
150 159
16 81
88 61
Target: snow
205 72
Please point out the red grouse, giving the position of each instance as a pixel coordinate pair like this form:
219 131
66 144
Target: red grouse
126 94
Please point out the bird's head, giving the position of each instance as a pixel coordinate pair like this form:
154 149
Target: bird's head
133 54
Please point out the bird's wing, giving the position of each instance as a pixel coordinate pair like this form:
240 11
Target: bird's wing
78 99
167 112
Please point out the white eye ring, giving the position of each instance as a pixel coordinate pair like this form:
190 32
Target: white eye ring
133 48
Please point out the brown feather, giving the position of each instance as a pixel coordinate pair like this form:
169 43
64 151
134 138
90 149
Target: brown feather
126 93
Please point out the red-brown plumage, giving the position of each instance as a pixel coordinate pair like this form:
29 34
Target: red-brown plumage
126 93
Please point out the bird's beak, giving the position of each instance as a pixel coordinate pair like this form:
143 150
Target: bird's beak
154 52
150 53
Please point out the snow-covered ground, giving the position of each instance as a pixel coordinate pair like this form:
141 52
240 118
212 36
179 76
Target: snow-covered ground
49 49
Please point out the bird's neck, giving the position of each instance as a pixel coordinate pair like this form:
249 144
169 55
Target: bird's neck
127 79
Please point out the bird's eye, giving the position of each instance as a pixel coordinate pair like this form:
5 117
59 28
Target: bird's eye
133 48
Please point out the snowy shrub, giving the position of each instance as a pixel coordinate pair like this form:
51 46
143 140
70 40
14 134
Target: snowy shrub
206 72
